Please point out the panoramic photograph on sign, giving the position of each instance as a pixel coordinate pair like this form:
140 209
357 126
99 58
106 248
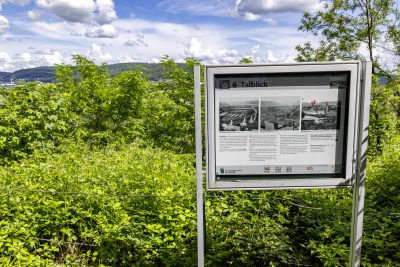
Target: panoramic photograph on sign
269 126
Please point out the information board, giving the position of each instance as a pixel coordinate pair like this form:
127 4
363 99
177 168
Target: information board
281 126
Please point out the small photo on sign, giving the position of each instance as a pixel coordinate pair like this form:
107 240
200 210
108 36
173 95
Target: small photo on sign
280 113
320 115
224 84
238 114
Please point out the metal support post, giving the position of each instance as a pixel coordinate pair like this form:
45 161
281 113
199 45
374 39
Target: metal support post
204 224
361 164
199 169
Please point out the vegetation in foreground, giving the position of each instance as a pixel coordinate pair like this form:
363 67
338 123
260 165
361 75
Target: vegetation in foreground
102 134
123 136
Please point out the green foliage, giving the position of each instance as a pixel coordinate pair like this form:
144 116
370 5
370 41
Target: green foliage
132 230
246 60
32 117
327 51
168 113
98 134
154 71
329 231
394 98
105 106
128 229
346 24
381 121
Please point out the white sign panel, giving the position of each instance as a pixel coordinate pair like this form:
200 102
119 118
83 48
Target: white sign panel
282 126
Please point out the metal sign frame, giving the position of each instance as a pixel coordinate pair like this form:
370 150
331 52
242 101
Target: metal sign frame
311 182
359 156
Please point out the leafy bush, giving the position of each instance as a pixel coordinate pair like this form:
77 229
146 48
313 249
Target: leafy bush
168 114
105 106
129 229
32 117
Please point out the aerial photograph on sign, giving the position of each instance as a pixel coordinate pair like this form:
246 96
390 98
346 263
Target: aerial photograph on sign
320 115
238 114
280 113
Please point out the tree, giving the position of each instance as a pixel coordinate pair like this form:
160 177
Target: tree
346 25
168 113
105 106
246 60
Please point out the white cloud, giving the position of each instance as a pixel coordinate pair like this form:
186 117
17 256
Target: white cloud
138 42
214 43
255 49
129 58
273 6
270 57
106 12
132 16
35 15
45 52
26 60
72 11
4 25
73 33
194 48
104 31
193 26
140 35
11 39
251 17
95 54
1 7
5 61
82 11
131 43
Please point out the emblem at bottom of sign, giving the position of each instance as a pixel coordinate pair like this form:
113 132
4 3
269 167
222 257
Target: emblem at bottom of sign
278 169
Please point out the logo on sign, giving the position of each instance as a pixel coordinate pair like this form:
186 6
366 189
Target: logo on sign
313 102
267 169
309 168
278 169
222 170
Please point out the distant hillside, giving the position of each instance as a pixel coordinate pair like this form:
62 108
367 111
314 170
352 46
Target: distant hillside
2 73
249 102
43 74
269 103
282 103
46 74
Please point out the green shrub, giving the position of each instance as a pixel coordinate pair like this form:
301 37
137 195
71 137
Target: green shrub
32 118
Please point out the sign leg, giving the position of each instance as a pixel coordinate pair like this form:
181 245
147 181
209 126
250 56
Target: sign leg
361 165
199 168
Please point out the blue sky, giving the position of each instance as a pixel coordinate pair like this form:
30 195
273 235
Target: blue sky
43 32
